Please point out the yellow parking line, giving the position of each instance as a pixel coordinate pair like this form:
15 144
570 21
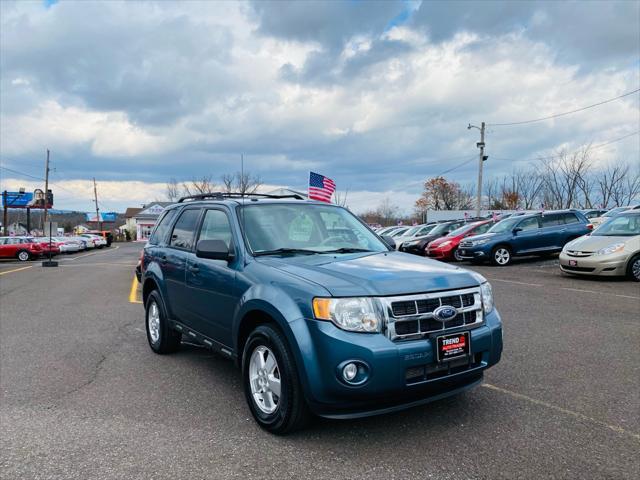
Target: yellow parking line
565 411
16 270
133 293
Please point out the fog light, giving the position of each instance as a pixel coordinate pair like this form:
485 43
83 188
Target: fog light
350 371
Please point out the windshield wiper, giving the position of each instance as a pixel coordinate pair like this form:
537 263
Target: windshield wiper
347 250
278 251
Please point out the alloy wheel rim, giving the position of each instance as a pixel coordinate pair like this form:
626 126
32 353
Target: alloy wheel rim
23 256
265 379
456 255
153 322
502 256
635 268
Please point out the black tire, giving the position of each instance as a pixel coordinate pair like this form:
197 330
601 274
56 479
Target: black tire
168 339
501 256
456 256
633 268
23 256
291 411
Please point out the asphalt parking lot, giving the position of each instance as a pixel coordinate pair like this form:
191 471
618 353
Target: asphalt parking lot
83 396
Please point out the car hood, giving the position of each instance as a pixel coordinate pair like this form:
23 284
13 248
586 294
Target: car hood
380 274
482 236
593 243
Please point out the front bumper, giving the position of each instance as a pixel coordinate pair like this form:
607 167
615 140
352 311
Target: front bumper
473 253
605 265
440 253
401 374
414 249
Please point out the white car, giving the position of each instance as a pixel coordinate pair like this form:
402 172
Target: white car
597 221
68 244
98 241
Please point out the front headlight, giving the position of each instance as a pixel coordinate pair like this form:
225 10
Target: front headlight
482 241
445 244
613 248
487 297
352 314
409 244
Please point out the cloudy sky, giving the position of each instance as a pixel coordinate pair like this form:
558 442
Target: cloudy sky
376 95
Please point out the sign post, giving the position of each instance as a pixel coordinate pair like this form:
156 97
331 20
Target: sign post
50 227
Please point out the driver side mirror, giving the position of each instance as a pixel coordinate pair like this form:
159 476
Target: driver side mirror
516 230
389 241
214 250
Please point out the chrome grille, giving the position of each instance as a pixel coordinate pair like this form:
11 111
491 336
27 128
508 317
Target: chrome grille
578 253
411 316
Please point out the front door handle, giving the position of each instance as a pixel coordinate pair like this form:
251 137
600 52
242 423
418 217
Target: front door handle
163 259
194 269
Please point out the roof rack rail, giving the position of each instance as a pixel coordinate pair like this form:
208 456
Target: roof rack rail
223 195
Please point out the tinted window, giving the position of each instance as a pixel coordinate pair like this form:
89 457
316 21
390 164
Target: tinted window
552 220
481 229
529 224
184 230
570 218
215 226
160 233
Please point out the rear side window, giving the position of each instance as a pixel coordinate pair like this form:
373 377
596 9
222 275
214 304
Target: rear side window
215 226
529 224
552 220
184 230
160 233
570 218
481 229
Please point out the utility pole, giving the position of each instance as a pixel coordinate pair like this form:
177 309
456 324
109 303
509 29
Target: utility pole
95 197
46 187
481 160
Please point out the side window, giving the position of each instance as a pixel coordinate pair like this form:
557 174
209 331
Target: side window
529 224
552 220
215 226
570 218
184 230
160 233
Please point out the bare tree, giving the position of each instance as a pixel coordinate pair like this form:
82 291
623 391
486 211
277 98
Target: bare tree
173 190
199 185
238 182
610 182
387 211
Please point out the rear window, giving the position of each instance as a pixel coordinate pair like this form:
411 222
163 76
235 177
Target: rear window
552 220
184 230
160 233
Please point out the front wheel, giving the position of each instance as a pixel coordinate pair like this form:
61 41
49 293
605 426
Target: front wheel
633 270
271 383
162 338
456 256
501 256
23 255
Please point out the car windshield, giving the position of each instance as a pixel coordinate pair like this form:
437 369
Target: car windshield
399 232
438 229
462 229
305 228
412 231
621 226
505 225
614 211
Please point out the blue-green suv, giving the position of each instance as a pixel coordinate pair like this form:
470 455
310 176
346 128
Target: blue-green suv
322 316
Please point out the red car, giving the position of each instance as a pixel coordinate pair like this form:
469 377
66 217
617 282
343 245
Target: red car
21 248
446 248
44 244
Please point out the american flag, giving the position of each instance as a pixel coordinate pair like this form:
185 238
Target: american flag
320 187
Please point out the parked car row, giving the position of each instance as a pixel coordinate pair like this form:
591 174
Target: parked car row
31 248
612 249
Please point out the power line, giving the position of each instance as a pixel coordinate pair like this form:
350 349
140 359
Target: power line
551 157
457 166
564 113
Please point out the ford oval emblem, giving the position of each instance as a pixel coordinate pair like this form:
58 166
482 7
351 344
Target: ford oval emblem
445 313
